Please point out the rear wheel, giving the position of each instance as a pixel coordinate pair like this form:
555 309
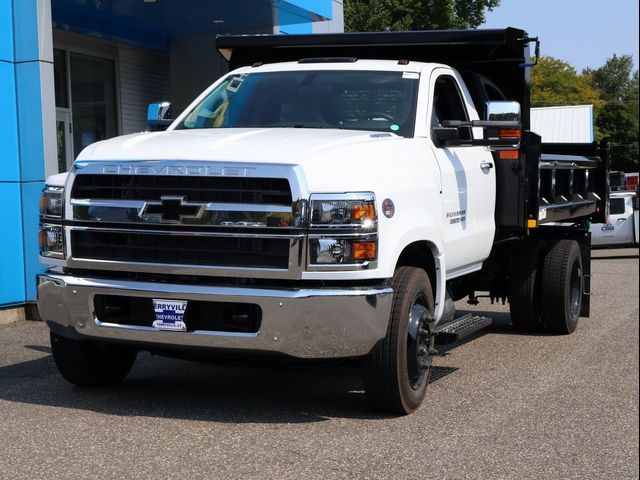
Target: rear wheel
562 287
525 287
396 372
89 363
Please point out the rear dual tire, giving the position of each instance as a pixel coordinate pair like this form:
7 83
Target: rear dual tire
546 287
562 287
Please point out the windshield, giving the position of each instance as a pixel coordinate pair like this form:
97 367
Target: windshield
358 100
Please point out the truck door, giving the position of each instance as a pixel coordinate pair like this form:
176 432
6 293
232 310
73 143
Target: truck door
468 180
619 230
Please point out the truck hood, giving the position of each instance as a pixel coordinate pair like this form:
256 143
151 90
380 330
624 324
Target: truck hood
326 156
256 145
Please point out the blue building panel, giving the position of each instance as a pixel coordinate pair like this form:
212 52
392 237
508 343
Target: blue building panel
25 30
6 32
9 162
12 288
321 8
290 23
30 218
30 126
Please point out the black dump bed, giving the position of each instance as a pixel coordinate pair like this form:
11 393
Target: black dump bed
548 183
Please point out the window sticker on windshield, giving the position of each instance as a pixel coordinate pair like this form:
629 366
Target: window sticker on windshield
394 127
411 75
235 84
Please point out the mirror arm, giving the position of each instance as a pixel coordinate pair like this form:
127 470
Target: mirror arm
481 124
493 142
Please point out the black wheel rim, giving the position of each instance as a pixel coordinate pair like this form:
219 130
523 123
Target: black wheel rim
575 296
418 356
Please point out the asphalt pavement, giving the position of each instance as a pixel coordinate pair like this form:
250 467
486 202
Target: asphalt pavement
500 405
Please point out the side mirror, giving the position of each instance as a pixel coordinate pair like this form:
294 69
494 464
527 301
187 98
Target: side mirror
503 111
159 116
502 128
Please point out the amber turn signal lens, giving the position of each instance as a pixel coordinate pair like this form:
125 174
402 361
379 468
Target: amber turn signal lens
509 154
363 211
363 250
43 204
509 133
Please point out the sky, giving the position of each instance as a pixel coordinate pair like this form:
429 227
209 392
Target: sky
583 33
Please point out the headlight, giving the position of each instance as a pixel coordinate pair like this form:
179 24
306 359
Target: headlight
52 241
350 210
51 236
343 232
342 251
52 202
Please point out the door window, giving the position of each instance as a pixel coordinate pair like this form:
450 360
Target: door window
448 105
616 206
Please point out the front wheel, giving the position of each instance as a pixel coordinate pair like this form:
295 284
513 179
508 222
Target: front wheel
90 363
397 371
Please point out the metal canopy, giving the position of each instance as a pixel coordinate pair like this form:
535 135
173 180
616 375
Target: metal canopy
454 46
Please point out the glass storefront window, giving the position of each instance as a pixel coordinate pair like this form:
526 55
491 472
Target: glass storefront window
93 94
60 78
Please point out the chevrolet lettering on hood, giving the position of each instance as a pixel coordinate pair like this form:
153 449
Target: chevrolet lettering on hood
189 170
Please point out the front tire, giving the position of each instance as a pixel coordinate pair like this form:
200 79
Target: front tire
562 287
397 371
90 363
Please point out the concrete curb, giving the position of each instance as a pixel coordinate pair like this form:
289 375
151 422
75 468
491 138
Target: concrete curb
12 315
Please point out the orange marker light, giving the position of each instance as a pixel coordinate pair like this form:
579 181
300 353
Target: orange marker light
363 250
509 133
363 211
509 155
531 223
43 204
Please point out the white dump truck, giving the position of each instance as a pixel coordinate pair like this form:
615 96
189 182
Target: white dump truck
329 198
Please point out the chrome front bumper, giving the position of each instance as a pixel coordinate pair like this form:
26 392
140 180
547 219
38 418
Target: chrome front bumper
303 323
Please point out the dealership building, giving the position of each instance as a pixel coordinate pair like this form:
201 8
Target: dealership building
73 72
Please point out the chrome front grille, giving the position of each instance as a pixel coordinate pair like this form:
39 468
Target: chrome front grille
201 249
249 225
242 190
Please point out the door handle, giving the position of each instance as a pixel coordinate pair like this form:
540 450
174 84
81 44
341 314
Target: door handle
486 165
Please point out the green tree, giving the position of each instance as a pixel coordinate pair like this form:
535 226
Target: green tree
399 15
615 78
555 82
618 119
619 123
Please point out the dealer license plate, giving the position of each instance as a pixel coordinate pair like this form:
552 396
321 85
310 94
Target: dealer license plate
169 314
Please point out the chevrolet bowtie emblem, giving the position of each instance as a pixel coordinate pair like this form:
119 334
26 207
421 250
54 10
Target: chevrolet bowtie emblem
171 209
